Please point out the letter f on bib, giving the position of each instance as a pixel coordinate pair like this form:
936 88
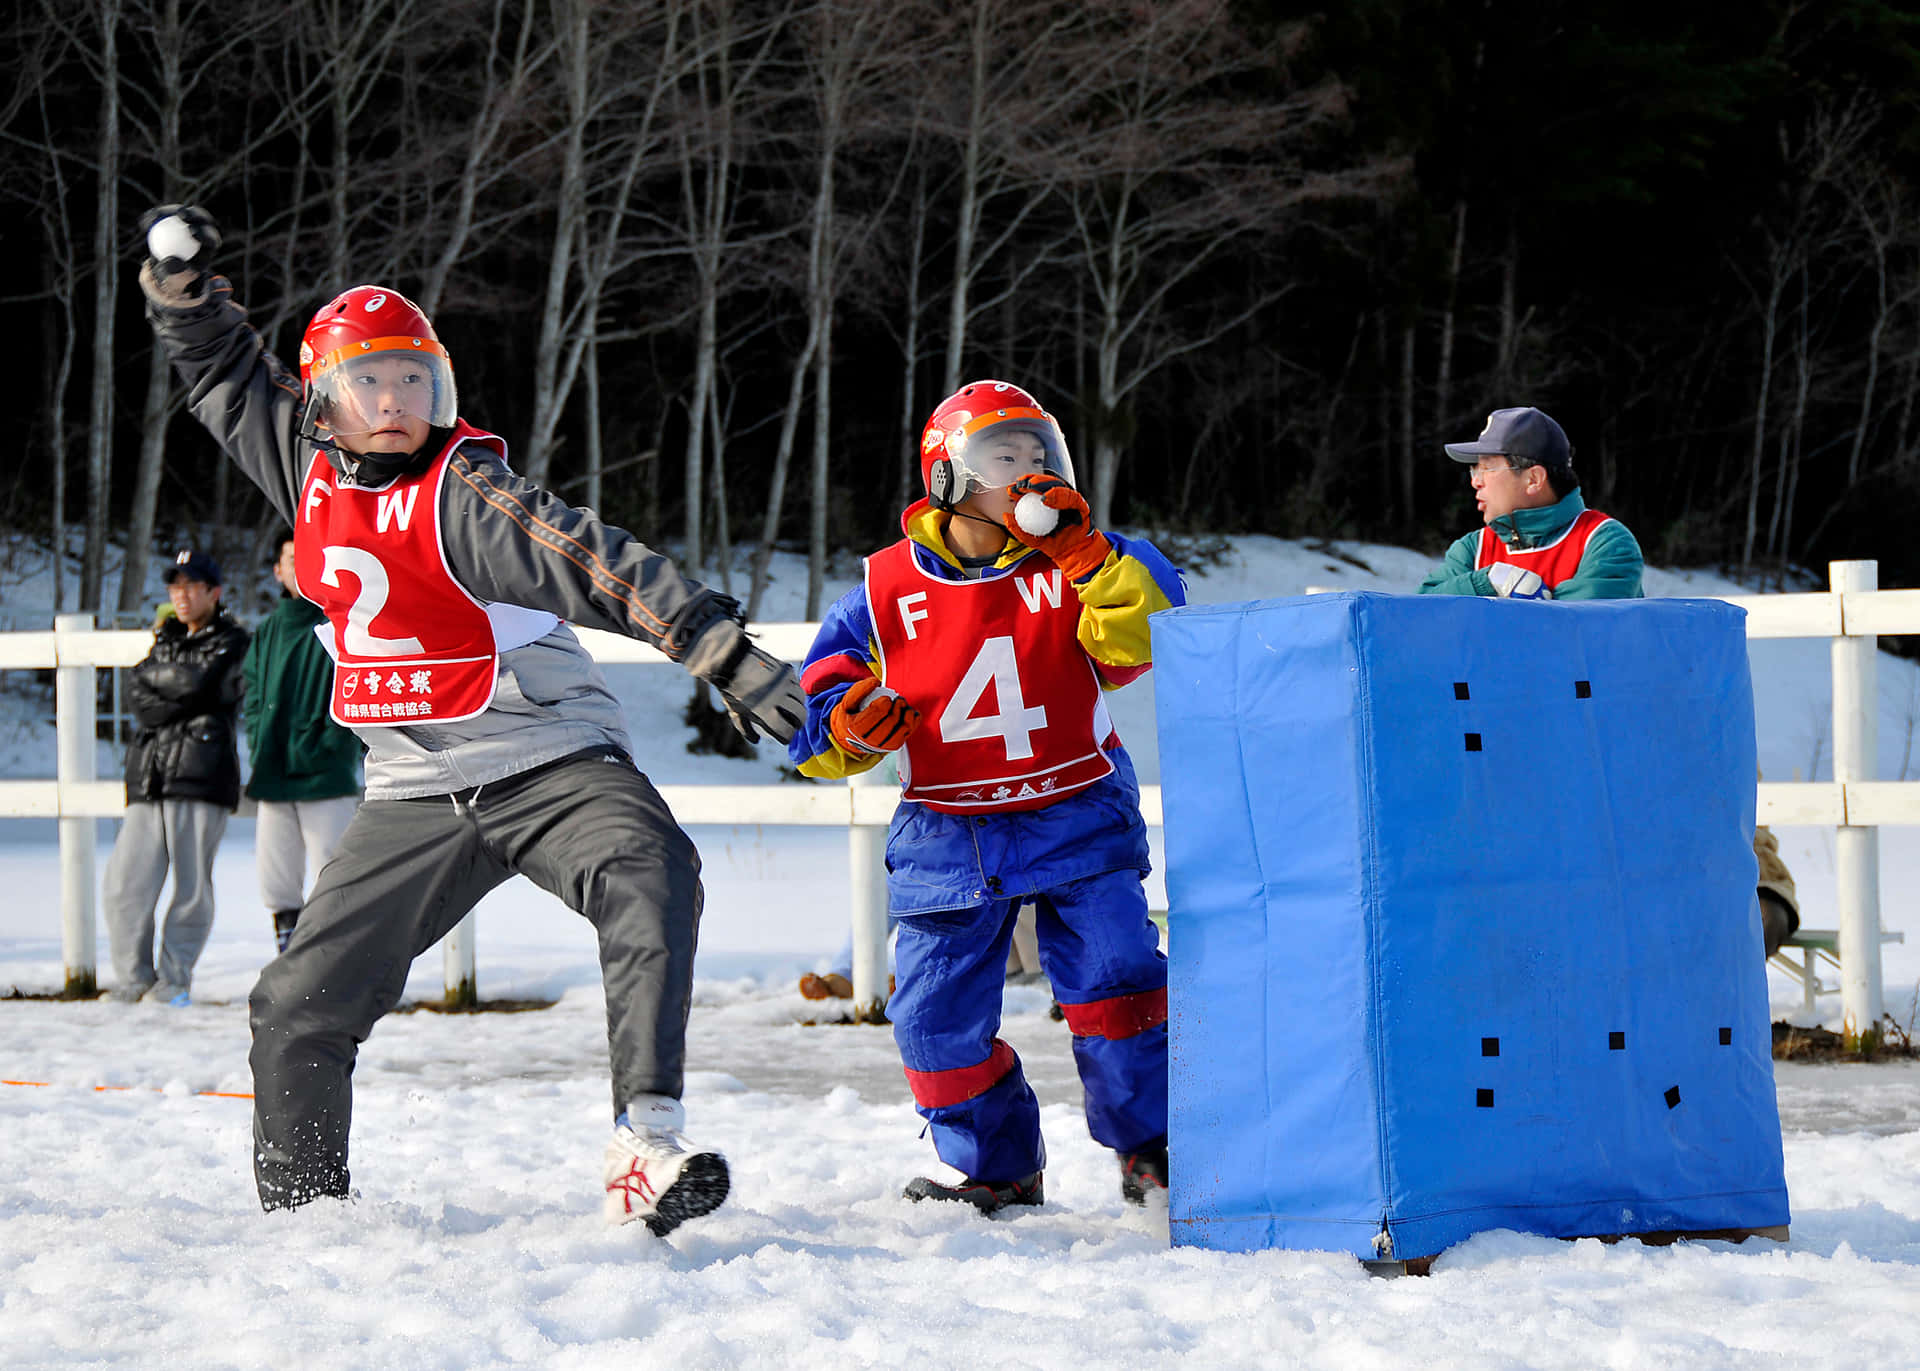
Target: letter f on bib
910 613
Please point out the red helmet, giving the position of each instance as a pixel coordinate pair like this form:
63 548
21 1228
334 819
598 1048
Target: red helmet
367 323
962 419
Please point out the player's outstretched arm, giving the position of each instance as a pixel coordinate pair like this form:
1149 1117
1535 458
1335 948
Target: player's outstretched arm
510 540
238 390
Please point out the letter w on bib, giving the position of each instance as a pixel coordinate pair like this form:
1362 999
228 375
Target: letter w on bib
1037 588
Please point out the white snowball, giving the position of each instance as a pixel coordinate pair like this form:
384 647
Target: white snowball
1036 516
172 238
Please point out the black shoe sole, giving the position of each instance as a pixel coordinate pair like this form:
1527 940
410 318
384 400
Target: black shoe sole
978 1196
699 1189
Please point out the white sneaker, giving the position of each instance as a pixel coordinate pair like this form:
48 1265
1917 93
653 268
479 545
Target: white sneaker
654 1174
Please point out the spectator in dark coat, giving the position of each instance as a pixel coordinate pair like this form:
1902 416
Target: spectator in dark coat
183 780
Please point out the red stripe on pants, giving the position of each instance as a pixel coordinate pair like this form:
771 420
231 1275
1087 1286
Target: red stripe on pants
937 1089
1123 1016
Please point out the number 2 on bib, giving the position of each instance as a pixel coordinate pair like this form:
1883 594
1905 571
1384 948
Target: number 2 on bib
358 639
1014 724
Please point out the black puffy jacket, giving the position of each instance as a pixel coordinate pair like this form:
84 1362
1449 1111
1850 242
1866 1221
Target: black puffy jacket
184 695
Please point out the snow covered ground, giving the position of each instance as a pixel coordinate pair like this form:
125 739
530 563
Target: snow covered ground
129 1235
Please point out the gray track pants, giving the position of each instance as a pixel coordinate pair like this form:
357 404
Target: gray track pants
590 830
294 838
154 836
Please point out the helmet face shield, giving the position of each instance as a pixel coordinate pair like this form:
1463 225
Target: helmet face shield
376 385
993 452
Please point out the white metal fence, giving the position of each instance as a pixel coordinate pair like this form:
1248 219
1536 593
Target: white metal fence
1852 614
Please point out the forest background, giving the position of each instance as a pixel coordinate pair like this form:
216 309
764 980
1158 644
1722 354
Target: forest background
708 264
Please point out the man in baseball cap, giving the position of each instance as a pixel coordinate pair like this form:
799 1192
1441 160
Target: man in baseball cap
1539 541
191 564
183 780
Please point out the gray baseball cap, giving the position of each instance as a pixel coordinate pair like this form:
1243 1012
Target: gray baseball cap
1522 435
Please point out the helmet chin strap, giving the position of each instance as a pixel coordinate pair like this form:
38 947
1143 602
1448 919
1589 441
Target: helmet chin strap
977 518
379 467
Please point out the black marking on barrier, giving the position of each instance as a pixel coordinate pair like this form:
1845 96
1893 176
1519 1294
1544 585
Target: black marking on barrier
1459 690
1726 1037
1673 1097
1489 1047
1473 742
1583 690
1483 1099
1616 1042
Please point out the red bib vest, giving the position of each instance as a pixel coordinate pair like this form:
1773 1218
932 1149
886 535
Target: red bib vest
409 644
1012 714
1553 563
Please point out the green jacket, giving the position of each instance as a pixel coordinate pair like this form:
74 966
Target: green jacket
298 752
1610 569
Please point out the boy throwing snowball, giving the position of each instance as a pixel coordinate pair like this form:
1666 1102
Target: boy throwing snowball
979 649
493 744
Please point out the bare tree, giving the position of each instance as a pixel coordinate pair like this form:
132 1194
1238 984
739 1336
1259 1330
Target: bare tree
44 200
714 135
612 84
1163 172
179 46
104 19
356 45
1028 64
1812 156
851 51
482 131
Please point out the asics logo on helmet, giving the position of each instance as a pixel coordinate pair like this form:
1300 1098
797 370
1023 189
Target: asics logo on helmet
374 302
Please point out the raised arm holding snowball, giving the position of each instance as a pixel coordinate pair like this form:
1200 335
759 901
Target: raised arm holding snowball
448 583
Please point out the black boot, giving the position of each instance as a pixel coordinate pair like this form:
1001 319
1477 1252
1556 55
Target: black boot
1142 1172
986 1196
1778 921
283 922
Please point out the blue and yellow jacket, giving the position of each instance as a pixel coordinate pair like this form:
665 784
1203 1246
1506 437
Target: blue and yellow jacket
948 861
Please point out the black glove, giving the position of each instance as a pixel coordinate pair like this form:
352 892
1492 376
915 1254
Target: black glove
181 241
756 687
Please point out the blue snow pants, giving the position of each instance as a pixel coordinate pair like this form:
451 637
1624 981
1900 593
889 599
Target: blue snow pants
1102 955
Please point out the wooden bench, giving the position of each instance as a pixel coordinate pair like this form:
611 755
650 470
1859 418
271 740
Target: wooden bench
1817 947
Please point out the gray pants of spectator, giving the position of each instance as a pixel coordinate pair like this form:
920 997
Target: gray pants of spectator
589 829
292 837
157 836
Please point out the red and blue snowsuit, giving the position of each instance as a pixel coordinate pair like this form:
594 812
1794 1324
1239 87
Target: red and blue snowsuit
962 858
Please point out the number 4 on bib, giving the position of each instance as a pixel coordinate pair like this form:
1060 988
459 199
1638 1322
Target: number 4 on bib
1014 724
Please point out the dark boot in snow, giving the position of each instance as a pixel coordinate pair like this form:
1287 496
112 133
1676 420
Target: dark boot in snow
283 922
1143 1173
987 1196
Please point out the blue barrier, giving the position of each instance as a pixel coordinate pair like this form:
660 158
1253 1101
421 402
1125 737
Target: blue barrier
1461 922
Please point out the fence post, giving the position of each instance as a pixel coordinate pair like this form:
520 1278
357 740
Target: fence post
462 979
1856 736
867 870
73 700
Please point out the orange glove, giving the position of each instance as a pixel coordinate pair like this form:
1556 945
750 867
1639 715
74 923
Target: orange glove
870 719
1074 544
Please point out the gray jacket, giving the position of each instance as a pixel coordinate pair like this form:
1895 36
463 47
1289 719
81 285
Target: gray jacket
507 541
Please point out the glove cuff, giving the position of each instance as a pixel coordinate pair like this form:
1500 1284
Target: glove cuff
1081 558
176 290
707 636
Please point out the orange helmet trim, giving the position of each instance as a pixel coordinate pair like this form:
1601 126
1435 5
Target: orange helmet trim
400 343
